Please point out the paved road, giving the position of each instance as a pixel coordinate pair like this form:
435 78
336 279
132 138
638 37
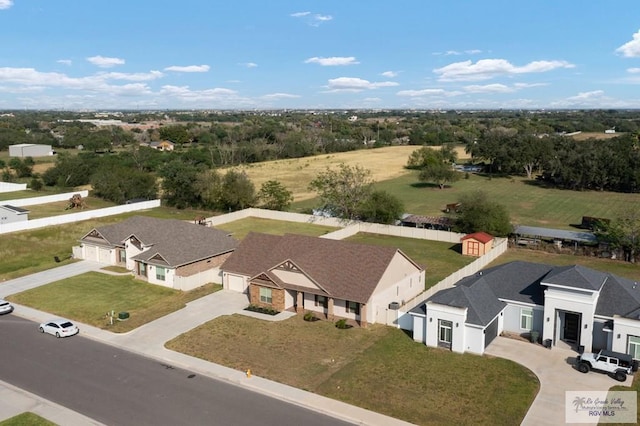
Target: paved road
117 387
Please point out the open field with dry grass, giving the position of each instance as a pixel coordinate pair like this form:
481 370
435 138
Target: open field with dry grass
385 163
595 135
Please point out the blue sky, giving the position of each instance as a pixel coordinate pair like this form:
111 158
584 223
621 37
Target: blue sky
334 54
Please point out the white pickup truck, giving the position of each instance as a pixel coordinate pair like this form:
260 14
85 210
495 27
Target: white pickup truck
615 363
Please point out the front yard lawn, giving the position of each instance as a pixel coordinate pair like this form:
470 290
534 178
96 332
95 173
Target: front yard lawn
27 419
88 297
440 259
240 228
378 368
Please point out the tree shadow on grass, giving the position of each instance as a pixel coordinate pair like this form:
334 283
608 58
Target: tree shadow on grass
457 248
423 185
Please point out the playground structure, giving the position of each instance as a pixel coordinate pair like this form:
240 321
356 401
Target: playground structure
76 202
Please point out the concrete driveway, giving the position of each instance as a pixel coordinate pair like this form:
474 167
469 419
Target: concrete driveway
556 372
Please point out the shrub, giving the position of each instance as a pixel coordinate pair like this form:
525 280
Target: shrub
309 316
262 310
342 324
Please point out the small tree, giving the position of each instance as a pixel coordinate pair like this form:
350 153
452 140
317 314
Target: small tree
623 234
238 191
381 207
35 184
275 196
479 214
439 173
343 191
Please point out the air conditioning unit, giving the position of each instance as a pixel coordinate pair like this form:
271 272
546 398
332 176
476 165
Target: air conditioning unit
394 306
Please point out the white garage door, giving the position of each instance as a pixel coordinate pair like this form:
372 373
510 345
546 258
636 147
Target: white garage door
90 253
104 255
236 283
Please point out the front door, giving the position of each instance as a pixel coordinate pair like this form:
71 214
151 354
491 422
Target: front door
571 326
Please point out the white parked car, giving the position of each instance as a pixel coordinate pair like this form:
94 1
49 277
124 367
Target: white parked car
5 307
59 328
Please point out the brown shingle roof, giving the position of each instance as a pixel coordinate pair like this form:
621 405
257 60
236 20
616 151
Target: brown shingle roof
176 241
346 270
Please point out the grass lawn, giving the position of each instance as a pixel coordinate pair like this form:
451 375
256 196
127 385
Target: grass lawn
439 259
58 208
26 419
26 252
635 387
87 297
240 228
623 269
378 368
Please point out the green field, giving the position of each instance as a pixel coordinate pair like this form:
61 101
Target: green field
439 259
240 228
526 202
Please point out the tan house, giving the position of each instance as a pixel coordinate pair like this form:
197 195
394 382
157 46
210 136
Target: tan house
476 244
167 252
330 277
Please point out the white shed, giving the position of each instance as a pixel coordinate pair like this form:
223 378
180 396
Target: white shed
30 150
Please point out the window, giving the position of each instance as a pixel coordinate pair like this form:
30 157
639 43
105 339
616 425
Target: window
526 319
265 295
160 271
142 268
122 254
322 301
444 332
634 347
353 308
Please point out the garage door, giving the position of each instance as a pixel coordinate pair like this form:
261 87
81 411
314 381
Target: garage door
104 255
490 332
236 283
90 253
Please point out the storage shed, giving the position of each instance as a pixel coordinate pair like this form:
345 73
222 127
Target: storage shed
30 150
11 214
476 244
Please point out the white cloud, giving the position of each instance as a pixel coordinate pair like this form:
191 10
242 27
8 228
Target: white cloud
631 49
249 64
389 74
587 95
104 62
188 68
420 93
275 96
140 76
486 69
633 70
312 19
458 52
489 88
219 96
333 61
352 84
5 4
64 62
473 51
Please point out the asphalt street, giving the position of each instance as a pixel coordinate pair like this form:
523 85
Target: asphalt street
117 387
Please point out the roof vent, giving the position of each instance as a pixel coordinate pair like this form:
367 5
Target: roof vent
479 273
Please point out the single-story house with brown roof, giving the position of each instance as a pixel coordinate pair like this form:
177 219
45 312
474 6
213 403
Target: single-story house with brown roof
331 277
167 252
476 244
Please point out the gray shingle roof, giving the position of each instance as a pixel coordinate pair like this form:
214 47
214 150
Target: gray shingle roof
576 276
619 296
482 305
176 241
346 270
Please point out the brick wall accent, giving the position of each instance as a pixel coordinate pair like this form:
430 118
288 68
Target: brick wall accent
277 297
203 265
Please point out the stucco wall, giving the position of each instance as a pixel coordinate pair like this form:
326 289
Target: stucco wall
457 316
622 329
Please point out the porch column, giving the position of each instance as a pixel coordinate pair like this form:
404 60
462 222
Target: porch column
363 315
330 309
299 302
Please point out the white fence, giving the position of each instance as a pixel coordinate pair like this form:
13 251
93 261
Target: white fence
76 217
12 187
22 202
198 280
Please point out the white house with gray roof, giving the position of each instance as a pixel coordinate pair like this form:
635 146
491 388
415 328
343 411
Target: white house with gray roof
167 252
573 304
